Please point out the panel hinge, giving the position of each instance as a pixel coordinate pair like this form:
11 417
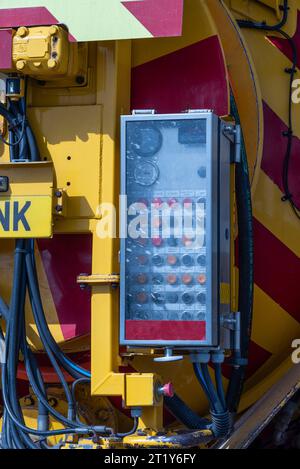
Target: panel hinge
142 112
232 321
233 133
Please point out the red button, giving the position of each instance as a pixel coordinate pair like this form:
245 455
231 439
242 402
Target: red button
187 279
157 202
142 298
172 260
201 279
142 279
157 241
172 202
172 279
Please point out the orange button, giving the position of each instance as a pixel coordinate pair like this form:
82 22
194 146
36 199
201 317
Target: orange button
187 241
172 260
142 279
157 241
201 279
172 279
187 279
142 298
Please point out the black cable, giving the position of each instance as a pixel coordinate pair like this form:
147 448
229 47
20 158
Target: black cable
287 197
246 273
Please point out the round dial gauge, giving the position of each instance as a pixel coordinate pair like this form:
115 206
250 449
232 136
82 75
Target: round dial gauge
146 174
146 140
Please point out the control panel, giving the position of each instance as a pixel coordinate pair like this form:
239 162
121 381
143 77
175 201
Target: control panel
175 250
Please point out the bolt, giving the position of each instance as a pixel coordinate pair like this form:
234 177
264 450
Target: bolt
58 194
59 208
52 63
20 64
80 80
53 30
22 31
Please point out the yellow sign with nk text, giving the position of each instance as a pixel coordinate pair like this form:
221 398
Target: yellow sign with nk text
26 216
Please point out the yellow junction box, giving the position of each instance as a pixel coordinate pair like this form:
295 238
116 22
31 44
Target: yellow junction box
26 205
140 390
41 51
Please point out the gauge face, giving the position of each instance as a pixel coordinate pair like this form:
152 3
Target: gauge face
146 140
146 174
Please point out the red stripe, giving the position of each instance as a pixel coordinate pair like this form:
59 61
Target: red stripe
193 77
165 330
161 18
276 270
13 17
32 16
5 49
64 258
275 145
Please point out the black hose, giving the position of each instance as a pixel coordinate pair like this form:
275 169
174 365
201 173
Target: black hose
184 413
246 273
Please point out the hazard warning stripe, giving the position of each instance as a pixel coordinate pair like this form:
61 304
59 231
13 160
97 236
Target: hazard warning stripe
93 21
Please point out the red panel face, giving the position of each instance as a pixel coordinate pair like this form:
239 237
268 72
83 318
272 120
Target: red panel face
165 330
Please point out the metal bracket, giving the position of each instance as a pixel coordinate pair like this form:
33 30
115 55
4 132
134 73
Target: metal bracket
234 134
232 322
138 112
199 111
98 279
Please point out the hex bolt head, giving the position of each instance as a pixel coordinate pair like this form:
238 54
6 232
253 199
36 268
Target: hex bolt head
22 31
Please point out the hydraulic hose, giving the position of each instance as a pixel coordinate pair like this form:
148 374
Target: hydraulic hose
185 414
246 273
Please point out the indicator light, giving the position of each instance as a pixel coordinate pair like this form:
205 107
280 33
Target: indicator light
158 260
157 241
172 242
187 260
157 202
142 279
172 260
201 279
187 242
202 172
172 298
142 298
142 315
143 260
201 316
172 279
201 260
187 279
201 298
158 279
158 298
187 316
187 202
142 241
188 298
172 202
